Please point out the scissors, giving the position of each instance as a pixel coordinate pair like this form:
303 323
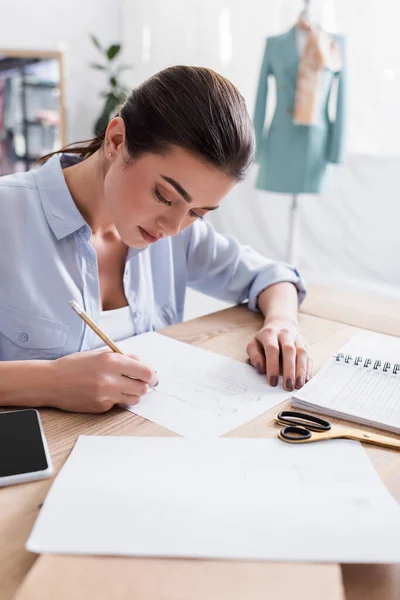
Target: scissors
300 428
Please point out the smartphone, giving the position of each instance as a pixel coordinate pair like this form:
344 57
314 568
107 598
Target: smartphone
24 455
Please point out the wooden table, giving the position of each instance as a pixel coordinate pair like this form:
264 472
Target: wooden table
61 578
368 311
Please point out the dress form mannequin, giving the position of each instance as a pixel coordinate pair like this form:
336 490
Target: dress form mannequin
312 13
303 137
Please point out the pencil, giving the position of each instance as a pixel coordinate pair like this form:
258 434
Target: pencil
85 317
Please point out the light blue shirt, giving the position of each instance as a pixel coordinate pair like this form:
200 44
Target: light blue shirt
46 260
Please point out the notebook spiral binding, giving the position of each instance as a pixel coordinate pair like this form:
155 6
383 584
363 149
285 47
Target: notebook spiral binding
367 362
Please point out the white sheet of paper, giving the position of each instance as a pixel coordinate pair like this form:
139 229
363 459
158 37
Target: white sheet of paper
226 498
200 393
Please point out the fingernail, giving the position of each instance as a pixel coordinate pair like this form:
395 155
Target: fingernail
274 381
299 382
289 384
155 379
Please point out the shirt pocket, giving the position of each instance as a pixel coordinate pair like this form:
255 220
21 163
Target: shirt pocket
24 336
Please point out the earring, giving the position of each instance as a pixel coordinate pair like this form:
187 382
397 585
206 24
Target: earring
107 141
110 154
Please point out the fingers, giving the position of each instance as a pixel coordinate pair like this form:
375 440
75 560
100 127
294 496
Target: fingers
309 369
136 387
133 387
115 388
129 399
154 380
301 364
270 347
256 354
288 350
272 353
132 367
263 352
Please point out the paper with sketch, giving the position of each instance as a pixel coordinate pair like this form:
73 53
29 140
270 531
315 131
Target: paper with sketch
200 393
227 498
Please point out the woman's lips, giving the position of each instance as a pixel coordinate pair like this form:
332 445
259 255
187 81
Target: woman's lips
148 237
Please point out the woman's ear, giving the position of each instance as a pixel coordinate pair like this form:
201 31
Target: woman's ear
115 137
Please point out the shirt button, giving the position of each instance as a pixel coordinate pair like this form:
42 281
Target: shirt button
23 337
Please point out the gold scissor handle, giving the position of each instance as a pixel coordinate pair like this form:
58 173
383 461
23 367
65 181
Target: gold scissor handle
366 437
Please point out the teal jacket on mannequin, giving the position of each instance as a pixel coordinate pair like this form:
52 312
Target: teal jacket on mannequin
293 158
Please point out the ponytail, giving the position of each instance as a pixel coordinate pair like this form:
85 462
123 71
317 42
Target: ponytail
84 149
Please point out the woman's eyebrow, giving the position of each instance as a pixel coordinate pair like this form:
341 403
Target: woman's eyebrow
182 192
178 188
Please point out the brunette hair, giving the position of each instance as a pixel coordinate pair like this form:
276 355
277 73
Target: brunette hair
190 107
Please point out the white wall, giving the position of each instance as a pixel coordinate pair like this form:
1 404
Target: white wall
44 24
226 35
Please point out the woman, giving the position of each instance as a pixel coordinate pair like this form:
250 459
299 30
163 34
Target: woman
116 224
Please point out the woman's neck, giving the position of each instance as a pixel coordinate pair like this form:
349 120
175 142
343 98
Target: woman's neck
85 183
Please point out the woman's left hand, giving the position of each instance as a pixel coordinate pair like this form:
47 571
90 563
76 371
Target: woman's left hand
278 346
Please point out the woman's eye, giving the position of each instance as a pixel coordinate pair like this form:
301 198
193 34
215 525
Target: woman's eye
194 215
161 198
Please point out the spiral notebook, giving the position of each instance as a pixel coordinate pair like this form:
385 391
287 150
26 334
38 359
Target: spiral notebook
360 383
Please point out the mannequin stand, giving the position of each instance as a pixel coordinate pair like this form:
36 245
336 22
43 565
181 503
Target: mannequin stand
293 239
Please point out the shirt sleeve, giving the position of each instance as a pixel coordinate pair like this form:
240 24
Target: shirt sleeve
220 267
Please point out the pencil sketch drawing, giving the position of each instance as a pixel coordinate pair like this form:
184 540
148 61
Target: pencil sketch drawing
206 391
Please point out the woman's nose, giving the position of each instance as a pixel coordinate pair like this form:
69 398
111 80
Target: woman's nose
171 224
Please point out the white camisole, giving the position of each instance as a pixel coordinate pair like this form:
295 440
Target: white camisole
117 324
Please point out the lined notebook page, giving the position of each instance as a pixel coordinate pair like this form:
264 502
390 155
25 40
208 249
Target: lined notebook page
361 381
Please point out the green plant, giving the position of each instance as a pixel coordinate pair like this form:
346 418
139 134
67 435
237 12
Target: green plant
117 92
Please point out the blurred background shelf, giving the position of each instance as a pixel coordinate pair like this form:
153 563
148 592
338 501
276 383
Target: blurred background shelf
32 120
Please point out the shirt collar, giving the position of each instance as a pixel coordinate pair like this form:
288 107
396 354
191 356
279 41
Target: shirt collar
59 207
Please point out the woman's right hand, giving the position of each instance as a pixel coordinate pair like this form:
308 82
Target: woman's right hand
93 382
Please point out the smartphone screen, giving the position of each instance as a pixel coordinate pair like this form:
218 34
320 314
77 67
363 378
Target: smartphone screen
21 443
